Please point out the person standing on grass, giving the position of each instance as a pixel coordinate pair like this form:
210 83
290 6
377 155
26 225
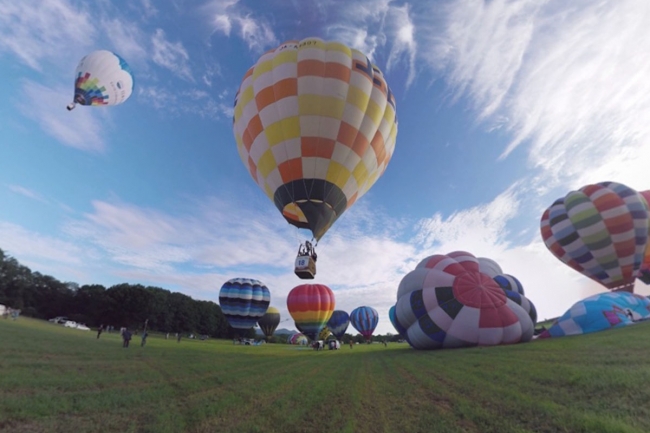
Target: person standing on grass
351 344
99 330
178 338
126 338
145 334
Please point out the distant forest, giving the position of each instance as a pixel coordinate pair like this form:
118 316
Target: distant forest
44 297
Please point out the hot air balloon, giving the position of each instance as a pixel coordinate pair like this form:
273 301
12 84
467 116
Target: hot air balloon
102 78
338 323
600 312
600 231
315 125
324 333
364 320
244 301
311 306
644 270
298 339
269 321
448 302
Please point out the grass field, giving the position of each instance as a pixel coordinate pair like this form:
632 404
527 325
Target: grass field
54 379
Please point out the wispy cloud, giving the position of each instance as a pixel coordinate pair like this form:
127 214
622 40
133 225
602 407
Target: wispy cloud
226 16
192 101
35 31
568 81
78 128
170 55
128 39
27 193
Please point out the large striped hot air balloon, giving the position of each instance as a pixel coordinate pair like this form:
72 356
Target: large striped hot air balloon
102 78
600 231
311 306
338 323
364 320
243 301
315 125
447 301
269 321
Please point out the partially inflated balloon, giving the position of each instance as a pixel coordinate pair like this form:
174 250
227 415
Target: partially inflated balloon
364 320
324 333
448 302
600 231
244 301
315 125
600 312
311 306
338 323
298 339
102 78
269 321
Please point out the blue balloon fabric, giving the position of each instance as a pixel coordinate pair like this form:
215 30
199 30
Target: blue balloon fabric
244 301
338 323
600 312
364 319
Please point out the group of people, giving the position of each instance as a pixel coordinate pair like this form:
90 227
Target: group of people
307 250
127 335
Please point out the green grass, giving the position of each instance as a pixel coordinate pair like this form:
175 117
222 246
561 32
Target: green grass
56 379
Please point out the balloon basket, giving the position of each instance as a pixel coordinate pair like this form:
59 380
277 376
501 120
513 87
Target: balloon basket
305 267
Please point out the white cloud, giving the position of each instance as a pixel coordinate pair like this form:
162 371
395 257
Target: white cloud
79 128
192 101
35 31
27 192
128 40
567 80
229 15
404 45
170 55
25 244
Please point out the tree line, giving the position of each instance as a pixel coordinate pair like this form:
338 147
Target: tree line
122 305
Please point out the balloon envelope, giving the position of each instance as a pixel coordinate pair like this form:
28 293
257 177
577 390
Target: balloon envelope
269 321
311 306
364 319
600 312
102 78
298 338
448 302
338 323
644 270
244 301
600 231
315 125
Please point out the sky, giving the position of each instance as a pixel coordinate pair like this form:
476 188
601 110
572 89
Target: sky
503 107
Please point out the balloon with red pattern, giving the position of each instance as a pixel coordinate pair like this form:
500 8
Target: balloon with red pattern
448 302
310 306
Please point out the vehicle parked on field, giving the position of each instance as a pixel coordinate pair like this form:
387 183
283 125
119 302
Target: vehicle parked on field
70 324
59 319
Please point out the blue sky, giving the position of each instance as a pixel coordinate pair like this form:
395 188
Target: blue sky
503 106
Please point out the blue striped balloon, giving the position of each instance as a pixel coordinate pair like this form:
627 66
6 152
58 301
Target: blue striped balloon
243 301
364 320
338 323
508 282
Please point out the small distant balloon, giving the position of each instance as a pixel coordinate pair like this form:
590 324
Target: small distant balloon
269 321
102 78
364 319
